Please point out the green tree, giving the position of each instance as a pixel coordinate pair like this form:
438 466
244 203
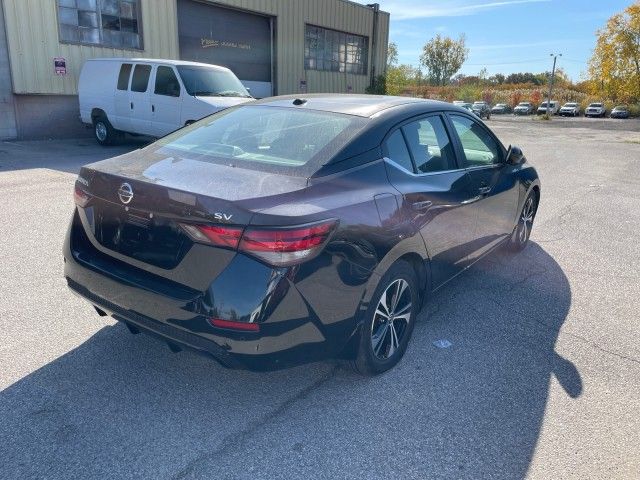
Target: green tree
614 68
442 57
399 78
392 55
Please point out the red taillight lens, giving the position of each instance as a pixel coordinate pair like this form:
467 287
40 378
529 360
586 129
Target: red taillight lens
276 246
81 197
232 325
286 246
218 236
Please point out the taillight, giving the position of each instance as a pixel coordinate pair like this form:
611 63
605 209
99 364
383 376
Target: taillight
286 246
219 236
81 197
276 246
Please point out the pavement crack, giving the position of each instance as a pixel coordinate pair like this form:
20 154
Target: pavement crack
236 439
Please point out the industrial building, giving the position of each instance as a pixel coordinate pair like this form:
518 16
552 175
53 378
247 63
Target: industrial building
275 47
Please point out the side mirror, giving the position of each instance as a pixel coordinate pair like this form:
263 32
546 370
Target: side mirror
515 156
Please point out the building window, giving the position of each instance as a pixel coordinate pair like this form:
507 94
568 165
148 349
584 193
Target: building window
334 51
111 23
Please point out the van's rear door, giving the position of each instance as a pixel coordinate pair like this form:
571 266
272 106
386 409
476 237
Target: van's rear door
121 118
140 99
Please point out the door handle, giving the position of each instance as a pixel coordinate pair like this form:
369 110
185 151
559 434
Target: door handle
484 190
131 105
422 205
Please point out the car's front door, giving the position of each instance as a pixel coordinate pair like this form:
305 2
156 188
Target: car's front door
436 192
492 179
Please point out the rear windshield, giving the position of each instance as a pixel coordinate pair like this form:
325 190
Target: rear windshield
595 105
274 139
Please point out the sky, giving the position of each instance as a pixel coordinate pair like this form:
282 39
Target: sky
504 36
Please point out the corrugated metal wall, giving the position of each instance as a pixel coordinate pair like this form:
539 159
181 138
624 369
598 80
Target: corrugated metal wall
32 33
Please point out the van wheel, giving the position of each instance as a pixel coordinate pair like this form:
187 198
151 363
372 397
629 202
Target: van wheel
389 321
103 131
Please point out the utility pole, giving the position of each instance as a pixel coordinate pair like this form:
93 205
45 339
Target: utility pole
551 79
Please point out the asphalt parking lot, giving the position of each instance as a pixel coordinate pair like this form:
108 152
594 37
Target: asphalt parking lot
541 381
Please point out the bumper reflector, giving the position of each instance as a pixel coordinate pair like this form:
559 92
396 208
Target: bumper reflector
231 325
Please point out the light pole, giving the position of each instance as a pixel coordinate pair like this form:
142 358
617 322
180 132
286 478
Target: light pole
551 79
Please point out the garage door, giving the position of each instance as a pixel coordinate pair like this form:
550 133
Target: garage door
236 39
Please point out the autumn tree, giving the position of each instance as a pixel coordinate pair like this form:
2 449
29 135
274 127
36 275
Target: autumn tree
399 78
442 57
614 68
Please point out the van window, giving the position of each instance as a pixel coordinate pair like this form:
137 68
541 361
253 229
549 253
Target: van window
167 82
123 78
140 79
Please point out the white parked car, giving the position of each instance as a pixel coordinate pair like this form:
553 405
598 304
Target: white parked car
523 108
570 109
595 110
552 109
152 97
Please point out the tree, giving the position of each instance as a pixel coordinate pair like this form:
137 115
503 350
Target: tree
536 97
399 78
392 55
442 57
614 67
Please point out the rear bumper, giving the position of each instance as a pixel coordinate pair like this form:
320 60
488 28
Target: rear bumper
291 332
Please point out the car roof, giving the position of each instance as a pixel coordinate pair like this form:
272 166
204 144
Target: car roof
165 61
351 104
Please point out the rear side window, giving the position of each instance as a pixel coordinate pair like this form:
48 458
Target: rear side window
123 77
167 82
430 145
140 79
395 148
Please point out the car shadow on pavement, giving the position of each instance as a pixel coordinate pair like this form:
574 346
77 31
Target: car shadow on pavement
65 155
123 406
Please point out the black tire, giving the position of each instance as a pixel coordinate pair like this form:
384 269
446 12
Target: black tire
522 231
104 132
368 360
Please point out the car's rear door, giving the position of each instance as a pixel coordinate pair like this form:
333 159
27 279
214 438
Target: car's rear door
436 191
492 180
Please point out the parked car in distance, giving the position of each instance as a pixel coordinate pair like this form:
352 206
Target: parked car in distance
295 229
500 109
570 109
551 109
459 103
152 97
523 108
620 112
595 110
481 109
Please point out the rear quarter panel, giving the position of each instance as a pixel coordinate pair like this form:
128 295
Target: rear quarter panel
96 86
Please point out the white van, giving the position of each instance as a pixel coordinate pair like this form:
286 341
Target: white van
152 97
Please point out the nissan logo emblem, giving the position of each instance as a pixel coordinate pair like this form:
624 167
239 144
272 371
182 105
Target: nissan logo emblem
125 193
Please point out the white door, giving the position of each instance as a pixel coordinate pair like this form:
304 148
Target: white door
166 101
122 109
139 100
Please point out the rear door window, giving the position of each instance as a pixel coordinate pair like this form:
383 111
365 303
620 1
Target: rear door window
166 82
395 148
430 145
123 77
140 80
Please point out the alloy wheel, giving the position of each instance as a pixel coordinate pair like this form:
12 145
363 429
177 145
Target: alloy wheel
526 220
391 319
101 131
